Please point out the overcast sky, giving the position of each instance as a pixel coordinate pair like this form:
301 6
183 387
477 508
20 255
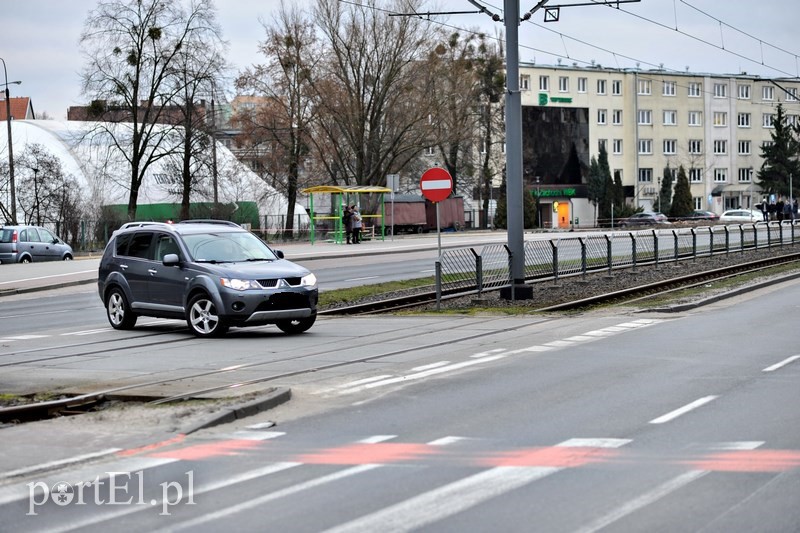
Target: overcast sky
39 38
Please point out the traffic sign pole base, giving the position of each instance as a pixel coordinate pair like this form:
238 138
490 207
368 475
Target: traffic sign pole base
520 291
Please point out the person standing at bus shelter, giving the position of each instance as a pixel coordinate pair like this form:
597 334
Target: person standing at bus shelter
347 219
356 217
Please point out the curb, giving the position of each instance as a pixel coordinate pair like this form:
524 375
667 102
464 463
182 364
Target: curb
227 415
722 296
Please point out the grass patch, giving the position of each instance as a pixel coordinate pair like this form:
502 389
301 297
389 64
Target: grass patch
354 294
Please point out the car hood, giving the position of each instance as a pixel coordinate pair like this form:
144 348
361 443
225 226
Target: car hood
280 268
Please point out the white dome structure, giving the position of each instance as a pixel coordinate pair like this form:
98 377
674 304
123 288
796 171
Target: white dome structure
86 152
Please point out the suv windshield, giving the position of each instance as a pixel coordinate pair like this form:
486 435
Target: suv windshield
227 247
5 235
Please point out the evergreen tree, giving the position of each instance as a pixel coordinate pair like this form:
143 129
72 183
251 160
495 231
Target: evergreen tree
682 200
780 157
529 209
608 189
595 185
664 200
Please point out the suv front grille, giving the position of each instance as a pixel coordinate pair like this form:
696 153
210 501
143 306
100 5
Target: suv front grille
272 283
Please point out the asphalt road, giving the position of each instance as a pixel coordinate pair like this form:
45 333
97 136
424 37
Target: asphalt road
612 421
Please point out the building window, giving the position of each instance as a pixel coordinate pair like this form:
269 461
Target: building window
745 175
720 147
743 120
602 144
670 146
563 84
767 144
720 175
645 146
792 120
695 146
695 175
524 82
645 175
791 94
768 120
601 116
720 119
695 118
616 117
645 87
744 147
669 88
670 118
616 87
695 89
744 92
768 92
616 146
582 84
601 86
645 117
544 83
720 90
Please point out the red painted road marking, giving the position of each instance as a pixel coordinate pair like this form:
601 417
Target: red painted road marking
205 451
558 456
749 461
359 454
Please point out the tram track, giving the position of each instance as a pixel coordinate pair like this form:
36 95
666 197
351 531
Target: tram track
84 402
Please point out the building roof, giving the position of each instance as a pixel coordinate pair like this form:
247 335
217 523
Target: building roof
346 188
21 108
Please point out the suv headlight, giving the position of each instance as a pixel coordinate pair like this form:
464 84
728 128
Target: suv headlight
239 284
308 280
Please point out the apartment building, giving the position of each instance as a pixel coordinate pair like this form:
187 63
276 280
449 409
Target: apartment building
713 125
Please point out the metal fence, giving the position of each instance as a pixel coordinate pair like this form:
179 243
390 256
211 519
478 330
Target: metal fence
490 266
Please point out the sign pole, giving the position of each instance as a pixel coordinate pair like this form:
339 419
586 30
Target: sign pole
438 229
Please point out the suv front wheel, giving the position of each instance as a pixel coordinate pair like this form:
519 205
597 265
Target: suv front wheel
118 311
203 318
296 326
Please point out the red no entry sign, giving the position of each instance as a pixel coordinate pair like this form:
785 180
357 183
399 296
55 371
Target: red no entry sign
436 184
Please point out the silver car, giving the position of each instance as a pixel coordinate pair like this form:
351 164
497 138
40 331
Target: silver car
26 244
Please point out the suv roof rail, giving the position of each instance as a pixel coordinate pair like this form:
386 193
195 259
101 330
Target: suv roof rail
141 224
210 221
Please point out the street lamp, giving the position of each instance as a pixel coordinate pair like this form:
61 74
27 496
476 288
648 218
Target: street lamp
11 185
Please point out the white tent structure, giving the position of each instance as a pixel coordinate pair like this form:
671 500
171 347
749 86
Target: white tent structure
89 156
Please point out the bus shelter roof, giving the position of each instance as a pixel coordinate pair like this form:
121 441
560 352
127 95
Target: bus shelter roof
335 189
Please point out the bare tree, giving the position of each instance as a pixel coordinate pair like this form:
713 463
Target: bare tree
132 50
278 126
372 90
45 193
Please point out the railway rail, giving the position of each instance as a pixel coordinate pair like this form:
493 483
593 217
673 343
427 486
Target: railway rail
86 402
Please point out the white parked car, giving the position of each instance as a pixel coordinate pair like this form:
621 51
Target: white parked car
741 216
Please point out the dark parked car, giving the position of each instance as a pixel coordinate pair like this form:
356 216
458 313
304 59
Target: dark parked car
25 244
212 274
645 219
700 214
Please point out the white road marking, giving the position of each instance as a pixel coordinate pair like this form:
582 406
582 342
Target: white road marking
672 415
643 500
364 381
254 435
25 337
47 277
375 439
424 374
445 441
86 332
738 446
257 502
432 365
362 279
595 443
782 364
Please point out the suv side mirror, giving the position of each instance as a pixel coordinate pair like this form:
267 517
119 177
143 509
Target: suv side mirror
171 260
278 253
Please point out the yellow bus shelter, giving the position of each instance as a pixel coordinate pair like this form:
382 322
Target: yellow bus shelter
342 196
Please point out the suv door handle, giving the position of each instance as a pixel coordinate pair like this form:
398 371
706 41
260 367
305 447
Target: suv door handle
152 271
124 267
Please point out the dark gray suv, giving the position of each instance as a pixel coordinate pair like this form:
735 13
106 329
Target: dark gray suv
213 274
